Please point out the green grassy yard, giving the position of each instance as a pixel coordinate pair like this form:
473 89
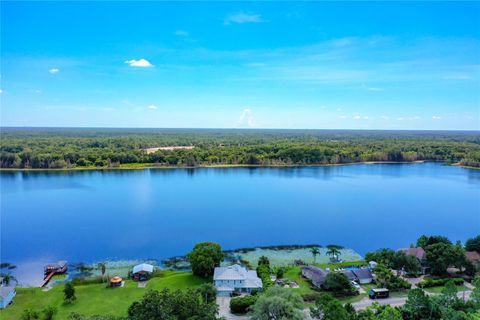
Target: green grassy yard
95 299
440 289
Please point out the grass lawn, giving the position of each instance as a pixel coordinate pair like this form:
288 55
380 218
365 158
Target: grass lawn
294 273
440 289
95 299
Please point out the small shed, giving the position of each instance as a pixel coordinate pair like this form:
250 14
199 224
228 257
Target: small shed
116 282
6 296
142 272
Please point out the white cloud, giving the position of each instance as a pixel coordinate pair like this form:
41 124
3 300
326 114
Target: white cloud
142 63
342 117
375 89
246 118
152 107
436 117
400 118
181 33
54 70
242 17
356 117
384 118
38 91
1 91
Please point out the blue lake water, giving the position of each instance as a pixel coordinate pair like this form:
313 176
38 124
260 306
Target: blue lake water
96 215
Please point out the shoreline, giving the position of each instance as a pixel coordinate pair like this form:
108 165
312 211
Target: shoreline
146 166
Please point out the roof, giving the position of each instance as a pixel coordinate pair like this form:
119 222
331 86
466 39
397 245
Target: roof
317 275
380 290
234 272
349 273
5 291
363 273
143 267
116 279
473 256
237 272
417 252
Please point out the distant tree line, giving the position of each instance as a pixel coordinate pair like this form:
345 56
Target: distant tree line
70 148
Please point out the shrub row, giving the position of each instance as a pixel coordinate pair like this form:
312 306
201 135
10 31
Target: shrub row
429 282
242 304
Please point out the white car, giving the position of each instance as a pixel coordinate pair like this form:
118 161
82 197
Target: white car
355 285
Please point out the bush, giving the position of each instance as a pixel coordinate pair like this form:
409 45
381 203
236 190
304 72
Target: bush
312 296
429 282
242 304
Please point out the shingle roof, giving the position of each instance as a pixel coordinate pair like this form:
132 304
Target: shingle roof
350 275
315 274
473 256
237 272
418 252
363 273
145 267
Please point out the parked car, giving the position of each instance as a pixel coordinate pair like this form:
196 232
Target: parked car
355 285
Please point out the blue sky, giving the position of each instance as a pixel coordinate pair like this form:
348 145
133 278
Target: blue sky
322 65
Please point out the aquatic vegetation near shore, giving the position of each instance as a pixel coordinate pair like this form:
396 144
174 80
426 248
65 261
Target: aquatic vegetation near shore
281 255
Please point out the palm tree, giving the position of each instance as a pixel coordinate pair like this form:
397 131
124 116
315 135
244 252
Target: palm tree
103 268
7 278
333 252
314 251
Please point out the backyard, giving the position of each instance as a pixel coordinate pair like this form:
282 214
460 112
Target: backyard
95 299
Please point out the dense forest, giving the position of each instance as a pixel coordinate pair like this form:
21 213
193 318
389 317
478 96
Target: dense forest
56 148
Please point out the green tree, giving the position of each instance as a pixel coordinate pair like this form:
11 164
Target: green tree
277 304
69 293
49 312
208 292
440 256
389 313
314 251
475 296
29 314
177 305
8 278
102 266
338 284
204 258
329 308
418 306
422 241
473 244
334 252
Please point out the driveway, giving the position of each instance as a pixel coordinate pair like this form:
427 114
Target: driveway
224 309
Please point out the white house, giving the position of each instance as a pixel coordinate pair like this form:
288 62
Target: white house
235 278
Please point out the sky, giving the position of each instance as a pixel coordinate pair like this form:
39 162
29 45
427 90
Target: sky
316 65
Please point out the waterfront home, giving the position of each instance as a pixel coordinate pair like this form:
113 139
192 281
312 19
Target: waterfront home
315 274
473 257
142 272
418 253
318 275
235 278
6 296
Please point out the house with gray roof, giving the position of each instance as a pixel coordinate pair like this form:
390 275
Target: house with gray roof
363 275
315 274
235 278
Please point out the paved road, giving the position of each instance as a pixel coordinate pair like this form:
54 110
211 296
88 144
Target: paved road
398 301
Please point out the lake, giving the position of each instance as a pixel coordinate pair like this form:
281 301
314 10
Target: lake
127 214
